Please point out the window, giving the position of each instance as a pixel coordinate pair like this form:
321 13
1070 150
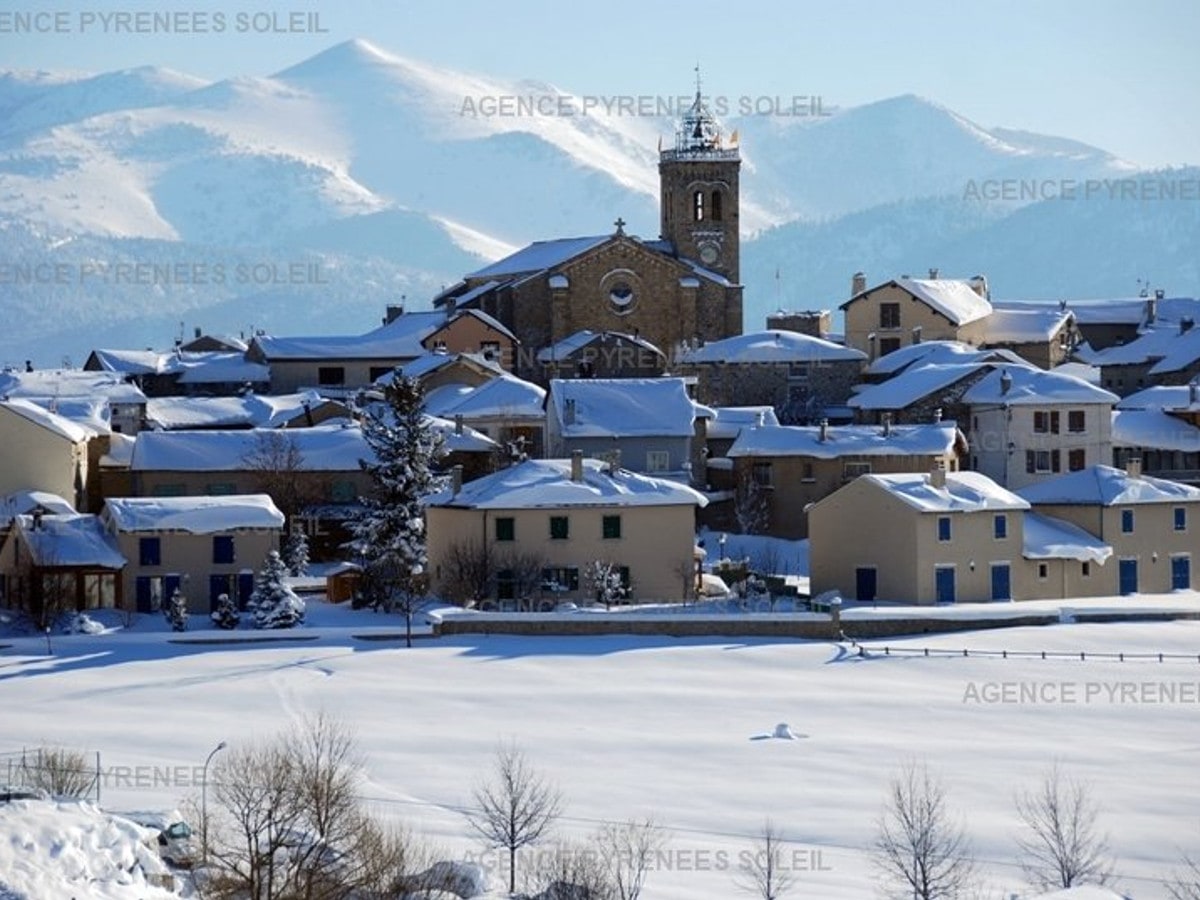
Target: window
1180 519
1086 569
506 585
560 579
1076 460
559 528
1127 521
343 491
806 472
1042 461
943 528
1043 571
331 375
223 549
1000 526
1045 422
657 460
220 489
716 206
149 551
761 473
851 470
377 372
889 315
611 527
506 528
889 345
698 206
490 349
1076 421
168 490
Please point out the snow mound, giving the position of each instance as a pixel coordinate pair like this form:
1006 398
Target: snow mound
459 879
784 731
74 849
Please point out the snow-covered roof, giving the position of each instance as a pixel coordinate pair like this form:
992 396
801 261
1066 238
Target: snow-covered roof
540 255
23 502
953 298
218 367
195 515
90 412
399 339
1049 538
327 448
505 395
771 347
1081 370
1028 386
1182 353
254 410
59 425
120 451
622 407
435 360
1163 343
1106 486
574 342
928 353
1025 325
913 384
933 439
1154 429
547 484
729 420
60 384
468 440
1175 397
69 540
963 492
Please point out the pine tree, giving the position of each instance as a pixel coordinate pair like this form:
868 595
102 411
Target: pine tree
176 611
275 604
389 534
226 614
296 553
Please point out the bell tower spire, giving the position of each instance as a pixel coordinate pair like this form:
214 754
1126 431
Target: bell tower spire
699 191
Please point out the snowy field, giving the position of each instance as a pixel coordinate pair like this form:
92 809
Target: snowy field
679 730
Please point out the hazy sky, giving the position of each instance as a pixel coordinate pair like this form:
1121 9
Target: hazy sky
1120 75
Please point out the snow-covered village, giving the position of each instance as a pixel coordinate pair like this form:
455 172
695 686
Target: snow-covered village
422 482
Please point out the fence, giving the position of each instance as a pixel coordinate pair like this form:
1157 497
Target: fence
54 770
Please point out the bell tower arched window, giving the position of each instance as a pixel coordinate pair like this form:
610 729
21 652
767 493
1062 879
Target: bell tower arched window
698 206
716 206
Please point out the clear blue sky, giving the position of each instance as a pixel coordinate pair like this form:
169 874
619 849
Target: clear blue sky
1116 74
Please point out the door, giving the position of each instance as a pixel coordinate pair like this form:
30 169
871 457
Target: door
944 580
865 583
1128 576
245 588
1001 582
217 585
145 594
1181 573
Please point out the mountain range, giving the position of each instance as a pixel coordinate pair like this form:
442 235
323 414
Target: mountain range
136 205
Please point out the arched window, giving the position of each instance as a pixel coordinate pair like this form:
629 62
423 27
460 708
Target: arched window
698 206
716 206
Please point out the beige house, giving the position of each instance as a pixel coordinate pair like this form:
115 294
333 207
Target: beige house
791 467
1150 523
43 451
530 531
202 546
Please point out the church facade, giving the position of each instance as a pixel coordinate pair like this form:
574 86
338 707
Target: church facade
681 289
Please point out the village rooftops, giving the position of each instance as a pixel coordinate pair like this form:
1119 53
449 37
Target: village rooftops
954 298
194 515
1049 538
1106 486
961 492
1027 386
622 407
831 442
771 347
547 483
69 540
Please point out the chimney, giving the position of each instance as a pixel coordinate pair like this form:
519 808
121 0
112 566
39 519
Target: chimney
979 285
1133 467
916 334
858 284
1186 324
451 306
1005 382
458 423
937 477
933 274
887 424
614 461
577 465
569 411
1193 393
1152 308
37 520
937 415
824 433
456 480
196 331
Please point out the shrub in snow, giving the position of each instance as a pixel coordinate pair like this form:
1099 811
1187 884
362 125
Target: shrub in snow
82 623
295 554
275 604
604 582
176 612
226 614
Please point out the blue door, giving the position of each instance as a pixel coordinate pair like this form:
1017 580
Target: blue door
1128 576
945 584
1181 573
217 585
865 583
1001 582
145 594
245 588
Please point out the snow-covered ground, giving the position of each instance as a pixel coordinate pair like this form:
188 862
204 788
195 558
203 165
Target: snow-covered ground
679 729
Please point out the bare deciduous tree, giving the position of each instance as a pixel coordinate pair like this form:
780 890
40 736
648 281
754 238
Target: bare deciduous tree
524 571
279 470
763 871
628 850
516 808
469 573
571 872
1062 847
1185 884
921 851
59 771
751 505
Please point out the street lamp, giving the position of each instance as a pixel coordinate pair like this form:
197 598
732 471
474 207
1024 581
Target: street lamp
204 801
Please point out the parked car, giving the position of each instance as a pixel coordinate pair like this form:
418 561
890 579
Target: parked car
176 843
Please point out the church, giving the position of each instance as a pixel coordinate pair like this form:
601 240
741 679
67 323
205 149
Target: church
682 289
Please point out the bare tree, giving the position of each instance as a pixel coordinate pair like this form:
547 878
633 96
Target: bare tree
628 850
763 872
469 573
516 808
59 771
1185 884
279 470
921 852
571 872
1062 846
524 571
390 585
751 505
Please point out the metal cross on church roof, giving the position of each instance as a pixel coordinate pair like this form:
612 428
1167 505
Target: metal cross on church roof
620 223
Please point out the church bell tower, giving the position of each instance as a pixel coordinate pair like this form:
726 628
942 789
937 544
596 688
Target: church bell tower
698 183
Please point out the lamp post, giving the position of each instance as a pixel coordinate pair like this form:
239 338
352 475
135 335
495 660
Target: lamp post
204 801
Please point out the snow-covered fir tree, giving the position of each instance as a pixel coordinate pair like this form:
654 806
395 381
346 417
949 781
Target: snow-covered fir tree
275 604
295 554
226 614
389 534
176 612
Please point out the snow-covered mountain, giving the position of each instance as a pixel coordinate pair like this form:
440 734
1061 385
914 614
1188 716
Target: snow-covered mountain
131 201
